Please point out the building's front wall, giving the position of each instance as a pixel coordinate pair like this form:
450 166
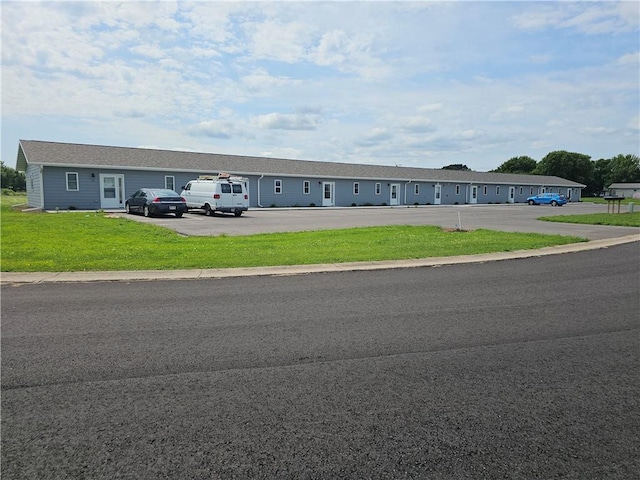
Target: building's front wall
270 191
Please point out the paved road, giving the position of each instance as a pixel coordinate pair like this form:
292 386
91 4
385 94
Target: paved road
514 369
512 218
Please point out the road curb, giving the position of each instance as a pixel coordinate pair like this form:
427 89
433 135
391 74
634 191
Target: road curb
18 278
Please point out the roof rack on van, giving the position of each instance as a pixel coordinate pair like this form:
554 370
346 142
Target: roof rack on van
221 176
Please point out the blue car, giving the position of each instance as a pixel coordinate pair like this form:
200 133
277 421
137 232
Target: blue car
553 199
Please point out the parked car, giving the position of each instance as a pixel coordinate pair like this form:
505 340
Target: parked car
156 201
553 199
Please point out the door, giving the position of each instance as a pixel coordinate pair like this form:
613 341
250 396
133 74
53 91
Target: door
111 191
394 198
437 199
328 193
238 195
512 194
474 194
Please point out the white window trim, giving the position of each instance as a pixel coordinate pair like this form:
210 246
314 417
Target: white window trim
356 188
66 176
173 182
277 187
484 190
497 189
306 187
416 189
378 188
457 189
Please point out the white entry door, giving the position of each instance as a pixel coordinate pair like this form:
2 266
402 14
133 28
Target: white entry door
111 191
474 194
437 199
394 198
328 194
512 194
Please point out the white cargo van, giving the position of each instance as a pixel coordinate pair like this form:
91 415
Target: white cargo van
222 193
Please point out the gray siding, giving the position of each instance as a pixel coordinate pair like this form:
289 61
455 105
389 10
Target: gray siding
34 186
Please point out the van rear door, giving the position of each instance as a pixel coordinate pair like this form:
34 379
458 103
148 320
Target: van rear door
238 195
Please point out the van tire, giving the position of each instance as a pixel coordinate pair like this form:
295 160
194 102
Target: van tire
207 210
238 213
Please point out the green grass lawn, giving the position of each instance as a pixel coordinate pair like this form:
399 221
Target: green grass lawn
611 219
85 241
625 202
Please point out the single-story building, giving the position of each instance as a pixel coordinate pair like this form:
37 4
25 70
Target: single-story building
91 177
626 190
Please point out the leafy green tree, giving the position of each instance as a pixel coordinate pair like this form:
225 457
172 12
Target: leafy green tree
522 164
623 169
568 165
457 166
598 181
12 179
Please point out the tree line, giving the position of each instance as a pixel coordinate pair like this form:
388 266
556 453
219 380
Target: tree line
12 179
597 175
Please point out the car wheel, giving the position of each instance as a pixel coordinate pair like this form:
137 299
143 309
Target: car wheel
146 211
127 208
554 203
207 210
178 214
238 213
531 202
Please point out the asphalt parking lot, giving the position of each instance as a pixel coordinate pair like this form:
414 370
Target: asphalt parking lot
511 218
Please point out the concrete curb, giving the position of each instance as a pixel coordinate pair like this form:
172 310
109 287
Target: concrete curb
16 278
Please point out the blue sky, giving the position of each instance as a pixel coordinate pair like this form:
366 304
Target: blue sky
423 84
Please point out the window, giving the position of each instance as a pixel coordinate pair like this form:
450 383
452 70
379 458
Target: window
72 181
531 191
277 187
484 190
378 189
520 190
225 188
498 190
416 189
306 187
236 188
356 188
457 189
169 182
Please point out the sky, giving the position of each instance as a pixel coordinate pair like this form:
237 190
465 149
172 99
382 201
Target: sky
417 84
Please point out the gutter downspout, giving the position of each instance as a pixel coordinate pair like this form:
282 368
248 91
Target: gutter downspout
258 202
406 185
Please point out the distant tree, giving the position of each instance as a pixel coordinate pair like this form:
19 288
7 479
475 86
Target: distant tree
568 165
12 179
523 164
623 169
598 181
457 166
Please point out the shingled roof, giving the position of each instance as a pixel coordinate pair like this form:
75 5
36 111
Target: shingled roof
99 156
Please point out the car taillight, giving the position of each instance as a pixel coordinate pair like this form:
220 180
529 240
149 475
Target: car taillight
246 197
216 196
183 200
157 200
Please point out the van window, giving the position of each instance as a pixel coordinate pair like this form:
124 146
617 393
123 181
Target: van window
237 188
225 188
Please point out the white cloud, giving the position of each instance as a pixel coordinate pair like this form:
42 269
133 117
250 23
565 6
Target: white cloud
281 121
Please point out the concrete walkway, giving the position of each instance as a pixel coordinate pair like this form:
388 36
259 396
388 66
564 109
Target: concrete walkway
17 278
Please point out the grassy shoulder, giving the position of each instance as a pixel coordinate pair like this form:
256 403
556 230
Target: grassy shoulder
94 241
611 219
